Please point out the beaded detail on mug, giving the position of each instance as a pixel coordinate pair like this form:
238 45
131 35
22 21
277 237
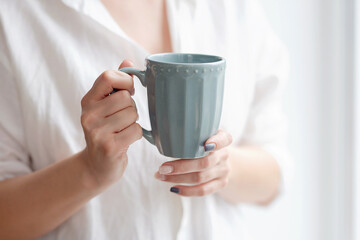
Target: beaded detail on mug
186 70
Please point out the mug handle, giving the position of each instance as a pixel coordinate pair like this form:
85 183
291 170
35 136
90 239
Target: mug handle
141 76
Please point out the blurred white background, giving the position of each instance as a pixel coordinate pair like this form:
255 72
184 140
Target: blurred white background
322 103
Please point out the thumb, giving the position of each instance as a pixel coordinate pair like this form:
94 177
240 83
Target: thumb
126 63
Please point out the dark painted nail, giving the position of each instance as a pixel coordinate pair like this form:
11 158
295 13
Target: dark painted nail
209 147
174 190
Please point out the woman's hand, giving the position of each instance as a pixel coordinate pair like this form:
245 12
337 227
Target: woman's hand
207 175
109 124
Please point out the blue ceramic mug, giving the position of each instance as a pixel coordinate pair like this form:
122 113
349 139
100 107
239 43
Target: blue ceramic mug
185 94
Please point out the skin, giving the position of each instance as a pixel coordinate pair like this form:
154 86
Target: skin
151 30
34 204
238 174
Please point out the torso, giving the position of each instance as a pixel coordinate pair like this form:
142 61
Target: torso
151 30
67 47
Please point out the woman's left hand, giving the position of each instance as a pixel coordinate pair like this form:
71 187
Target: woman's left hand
207 175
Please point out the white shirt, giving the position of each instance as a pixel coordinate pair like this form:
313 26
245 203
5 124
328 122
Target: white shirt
51 52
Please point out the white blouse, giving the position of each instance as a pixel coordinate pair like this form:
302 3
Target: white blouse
51 52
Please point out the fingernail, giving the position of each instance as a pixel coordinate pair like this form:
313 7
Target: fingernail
166 169
160 177
209 147
174 190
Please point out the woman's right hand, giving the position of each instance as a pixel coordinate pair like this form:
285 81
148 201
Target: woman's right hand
109 124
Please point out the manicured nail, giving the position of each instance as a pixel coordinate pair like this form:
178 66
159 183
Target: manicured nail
174 190
209 147
161 177
166 169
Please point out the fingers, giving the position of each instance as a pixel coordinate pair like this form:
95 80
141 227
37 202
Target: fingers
192 165
106 83
128 136
115 102
120 120
195 177
220 140
201 189
126 63
208 174
98 104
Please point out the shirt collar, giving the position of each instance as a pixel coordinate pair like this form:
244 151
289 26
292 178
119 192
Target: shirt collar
97 11
77 5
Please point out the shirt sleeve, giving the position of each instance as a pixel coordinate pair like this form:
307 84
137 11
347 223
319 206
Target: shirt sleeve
14 159
266 124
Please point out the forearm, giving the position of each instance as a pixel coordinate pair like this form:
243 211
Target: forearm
254 177
34 204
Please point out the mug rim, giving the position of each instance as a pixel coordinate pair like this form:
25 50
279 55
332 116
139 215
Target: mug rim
219 61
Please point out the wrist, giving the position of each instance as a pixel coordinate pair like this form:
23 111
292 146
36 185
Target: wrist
98 180
88 177
227 193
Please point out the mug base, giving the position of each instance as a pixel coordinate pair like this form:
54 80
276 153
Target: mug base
186 156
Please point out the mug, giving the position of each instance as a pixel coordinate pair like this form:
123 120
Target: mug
185 94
